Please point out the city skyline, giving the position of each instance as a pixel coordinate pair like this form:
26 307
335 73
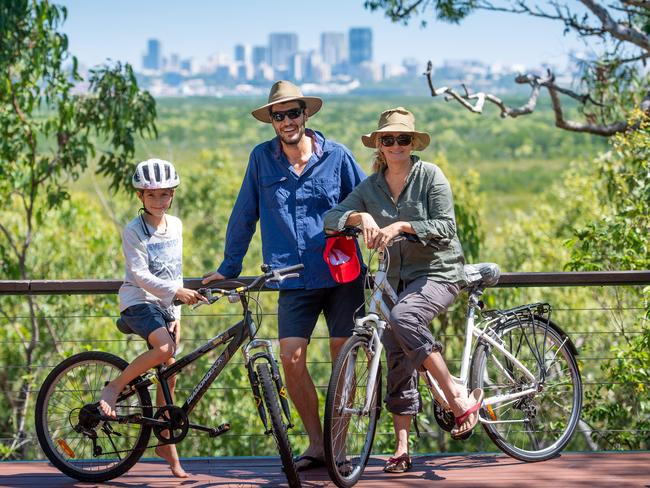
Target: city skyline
119 30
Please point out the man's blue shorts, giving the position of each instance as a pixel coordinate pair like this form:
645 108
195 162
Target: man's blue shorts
298 310
144 318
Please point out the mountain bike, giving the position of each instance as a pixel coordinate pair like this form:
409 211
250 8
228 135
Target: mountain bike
524 362
89 446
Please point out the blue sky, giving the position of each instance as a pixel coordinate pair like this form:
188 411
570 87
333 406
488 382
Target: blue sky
119 29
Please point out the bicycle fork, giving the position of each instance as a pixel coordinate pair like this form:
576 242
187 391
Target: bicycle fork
265 355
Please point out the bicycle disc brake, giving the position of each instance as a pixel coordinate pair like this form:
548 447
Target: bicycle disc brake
177 424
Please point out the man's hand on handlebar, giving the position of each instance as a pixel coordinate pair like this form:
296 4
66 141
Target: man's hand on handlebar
189 297
214 276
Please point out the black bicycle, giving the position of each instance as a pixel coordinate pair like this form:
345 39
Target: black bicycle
89 446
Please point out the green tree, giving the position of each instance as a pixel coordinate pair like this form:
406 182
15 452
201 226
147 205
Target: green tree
48 136
618 239
610 86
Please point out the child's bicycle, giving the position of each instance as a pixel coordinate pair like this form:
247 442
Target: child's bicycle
89 446
524 363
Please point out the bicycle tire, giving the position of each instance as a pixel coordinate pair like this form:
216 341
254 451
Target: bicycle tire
278 427
78 381
347 439
541 423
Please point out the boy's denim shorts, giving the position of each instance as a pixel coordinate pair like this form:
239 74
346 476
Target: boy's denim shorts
144 318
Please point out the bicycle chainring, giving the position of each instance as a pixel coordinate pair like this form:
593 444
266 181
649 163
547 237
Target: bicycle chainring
178 424
445 418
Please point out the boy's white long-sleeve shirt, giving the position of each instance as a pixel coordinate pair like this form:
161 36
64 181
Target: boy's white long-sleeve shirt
153 264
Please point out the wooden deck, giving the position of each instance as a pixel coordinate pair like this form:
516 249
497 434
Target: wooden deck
618 470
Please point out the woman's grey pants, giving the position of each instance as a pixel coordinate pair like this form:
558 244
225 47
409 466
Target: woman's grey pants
408 340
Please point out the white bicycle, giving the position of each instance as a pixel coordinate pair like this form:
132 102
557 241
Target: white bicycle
523 361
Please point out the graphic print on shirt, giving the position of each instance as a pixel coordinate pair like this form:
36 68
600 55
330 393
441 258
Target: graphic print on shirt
164 259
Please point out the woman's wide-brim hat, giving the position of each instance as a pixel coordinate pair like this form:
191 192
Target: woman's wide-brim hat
397 120
282 92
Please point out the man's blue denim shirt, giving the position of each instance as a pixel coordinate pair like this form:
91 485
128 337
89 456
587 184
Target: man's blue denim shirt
290 208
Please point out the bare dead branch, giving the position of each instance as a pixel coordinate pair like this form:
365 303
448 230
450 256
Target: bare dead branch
618 30
536 82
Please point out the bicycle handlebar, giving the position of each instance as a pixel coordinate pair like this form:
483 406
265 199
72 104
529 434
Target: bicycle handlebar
354 231
269 275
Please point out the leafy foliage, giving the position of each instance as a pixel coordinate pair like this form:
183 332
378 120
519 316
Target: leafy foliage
619 239
48 135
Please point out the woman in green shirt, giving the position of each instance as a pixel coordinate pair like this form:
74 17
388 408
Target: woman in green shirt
405 194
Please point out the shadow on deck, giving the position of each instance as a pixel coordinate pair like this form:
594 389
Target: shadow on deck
605 469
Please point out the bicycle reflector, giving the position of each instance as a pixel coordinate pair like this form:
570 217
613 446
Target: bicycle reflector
341 256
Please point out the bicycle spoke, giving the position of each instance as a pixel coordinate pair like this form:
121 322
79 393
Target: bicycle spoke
537 425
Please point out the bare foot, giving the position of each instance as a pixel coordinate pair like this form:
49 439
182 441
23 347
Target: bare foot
107 401
169 454
466 421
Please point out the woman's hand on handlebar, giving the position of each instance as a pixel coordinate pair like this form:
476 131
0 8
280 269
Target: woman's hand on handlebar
214 276
386 235
189 297
368 225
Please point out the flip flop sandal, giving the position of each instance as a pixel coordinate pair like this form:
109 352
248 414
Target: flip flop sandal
312 462
458 434
399 464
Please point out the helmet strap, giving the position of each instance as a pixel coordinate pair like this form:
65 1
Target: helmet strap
145 229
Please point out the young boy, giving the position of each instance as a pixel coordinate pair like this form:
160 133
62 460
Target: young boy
152 245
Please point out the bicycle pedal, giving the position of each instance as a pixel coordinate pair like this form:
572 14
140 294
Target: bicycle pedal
222 429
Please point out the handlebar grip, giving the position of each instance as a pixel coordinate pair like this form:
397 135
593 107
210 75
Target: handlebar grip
289 269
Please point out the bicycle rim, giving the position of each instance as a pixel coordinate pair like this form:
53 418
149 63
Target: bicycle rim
538 426
278 427
349 430
66 439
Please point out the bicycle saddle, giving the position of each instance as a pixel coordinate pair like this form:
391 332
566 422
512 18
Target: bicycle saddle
482 274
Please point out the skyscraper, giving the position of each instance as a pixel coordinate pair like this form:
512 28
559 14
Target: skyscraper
282 45
152 59
260 55
360 45
242 53
333 48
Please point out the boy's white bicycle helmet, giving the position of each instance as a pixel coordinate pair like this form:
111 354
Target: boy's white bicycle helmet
154 174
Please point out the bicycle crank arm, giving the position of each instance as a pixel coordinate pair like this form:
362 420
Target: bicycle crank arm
212 432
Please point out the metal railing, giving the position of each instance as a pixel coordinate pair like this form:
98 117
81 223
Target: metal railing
589 342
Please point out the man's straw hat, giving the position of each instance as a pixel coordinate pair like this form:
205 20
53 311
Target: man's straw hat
285 91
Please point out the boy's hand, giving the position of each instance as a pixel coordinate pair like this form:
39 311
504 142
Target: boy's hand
189 297
215 276
175 327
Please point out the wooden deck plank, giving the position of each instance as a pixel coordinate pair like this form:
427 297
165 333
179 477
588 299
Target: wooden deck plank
619 470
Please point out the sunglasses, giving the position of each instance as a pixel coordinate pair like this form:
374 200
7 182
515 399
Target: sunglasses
293 114
402 140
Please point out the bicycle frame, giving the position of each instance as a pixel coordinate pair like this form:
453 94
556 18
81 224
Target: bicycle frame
234 336
375 322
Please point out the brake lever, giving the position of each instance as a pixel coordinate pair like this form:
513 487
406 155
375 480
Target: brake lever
278 278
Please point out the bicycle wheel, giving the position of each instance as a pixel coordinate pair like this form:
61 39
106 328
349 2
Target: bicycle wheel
349 430
278 427
71 437
535 427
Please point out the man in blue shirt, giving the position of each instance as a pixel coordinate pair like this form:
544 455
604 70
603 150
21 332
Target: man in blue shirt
290 182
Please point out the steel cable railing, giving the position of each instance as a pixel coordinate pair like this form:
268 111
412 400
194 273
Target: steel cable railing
594 350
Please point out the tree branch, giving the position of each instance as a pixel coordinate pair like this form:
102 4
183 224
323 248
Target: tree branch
536 83
618 30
